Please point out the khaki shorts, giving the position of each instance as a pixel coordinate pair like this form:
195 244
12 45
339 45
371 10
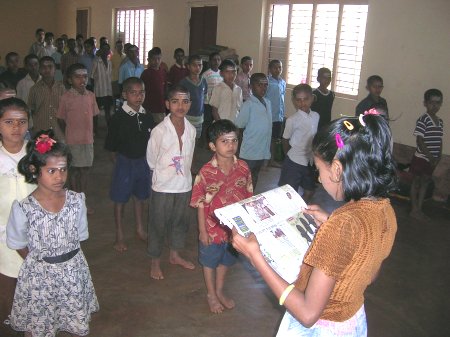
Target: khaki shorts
82 155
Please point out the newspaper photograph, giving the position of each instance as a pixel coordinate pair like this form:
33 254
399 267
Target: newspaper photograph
283 231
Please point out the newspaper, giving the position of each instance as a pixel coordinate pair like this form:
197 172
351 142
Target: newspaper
284 233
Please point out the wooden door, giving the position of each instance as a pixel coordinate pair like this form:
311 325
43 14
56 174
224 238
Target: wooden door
203 28
83 22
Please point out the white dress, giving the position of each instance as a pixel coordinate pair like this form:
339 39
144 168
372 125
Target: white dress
51 297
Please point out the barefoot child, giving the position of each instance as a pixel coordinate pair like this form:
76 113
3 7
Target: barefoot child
13 126
169 155
224 180
54 289
350 245
127 139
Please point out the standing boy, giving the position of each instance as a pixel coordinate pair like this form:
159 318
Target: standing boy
179 70
429 132
127 138
275 94
301 127
31 63
116 60
131 66
169 155
13 74
155 80
101 76
222 181
197 89
57 55
243 77
373 100
39 43
255 118
76 112
323 98
49 48
226 98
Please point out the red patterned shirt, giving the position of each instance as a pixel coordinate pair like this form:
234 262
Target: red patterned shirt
214 190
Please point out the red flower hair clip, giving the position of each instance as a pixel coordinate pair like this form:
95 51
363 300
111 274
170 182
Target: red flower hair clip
44 144
372 111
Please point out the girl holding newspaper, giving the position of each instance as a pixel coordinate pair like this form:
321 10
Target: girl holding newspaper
355 164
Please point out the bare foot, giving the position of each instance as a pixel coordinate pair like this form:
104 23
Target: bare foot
120 246
155 270
419 215
141 235
214 304
177 259
226 301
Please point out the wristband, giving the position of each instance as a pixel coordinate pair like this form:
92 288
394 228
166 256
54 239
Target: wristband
286 293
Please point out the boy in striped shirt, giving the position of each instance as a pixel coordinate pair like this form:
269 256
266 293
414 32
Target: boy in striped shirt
429 132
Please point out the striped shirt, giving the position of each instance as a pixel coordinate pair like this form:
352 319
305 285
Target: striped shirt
101 74
43 101
67 60
431 133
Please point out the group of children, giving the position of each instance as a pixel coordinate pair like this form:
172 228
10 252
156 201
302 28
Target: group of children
152 153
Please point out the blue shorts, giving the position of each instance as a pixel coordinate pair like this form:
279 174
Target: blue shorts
130 177
297 175
216 253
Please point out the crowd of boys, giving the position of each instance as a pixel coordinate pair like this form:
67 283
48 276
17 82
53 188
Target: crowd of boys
152 135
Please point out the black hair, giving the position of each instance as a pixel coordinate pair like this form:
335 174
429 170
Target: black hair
30 57
30 165
245 59
193 58
211 56
119 41
432 93
103 39
365 154
38 31
256 77
6 103
10 55
219 128
178 50
130 81
79 36
322 71
303 87
73 68
177 89
90 42
46 58
70 40
374 78
59 39
48 35
155 51
227 63
273 62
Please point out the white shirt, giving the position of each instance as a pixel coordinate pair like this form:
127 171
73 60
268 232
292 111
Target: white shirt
228 102
171 166
24 86
300 130
212 79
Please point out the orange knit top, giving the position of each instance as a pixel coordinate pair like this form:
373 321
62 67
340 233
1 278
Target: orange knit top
350 248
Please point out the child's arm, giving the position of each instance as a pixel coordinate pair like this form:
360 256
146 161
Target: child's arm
203 236
286 145
62 124
215 113
23 252
424 149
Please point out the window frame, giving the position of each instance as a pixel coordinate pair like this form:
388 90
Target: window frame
311 77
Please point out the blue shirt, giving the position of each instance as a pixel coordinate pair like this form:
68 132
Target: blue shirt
257 121
197 92
275 94
128 69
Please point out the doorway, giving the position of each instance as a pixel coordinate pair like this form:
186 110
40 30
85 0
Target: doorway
83 22
203 28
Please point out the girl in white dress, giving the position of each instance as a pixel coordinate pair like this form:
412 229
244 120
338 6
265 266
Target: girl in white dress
54 290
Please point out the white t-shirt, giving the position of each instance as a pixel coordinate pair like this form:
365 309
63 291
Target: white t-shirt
228 102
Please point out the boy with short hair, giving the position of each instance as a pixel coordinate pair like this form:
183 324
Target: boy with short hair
39 43
373 100
57 55
255 118
429 132
155 80
49 48
243 77
127 138
275 94
197 89
116 60
226 98
31 63
13 74
179 70
76 112
87 59
169 155
222 181
301 127
323 98
69 58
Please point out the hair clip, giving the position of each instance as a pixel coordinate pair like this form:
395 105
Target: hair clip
349 125
339 141
361 120
44 144
372 111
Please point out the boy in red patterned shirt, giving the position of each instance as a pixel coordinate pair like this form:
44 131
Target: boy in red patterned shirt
222 181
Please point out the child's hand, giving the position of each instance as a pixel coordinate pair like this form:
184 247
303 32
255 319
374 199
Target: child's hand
7 93
205 239
248 246
320 216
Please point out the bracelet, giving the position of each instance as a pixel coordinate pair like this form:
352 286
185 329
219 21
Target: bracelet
286 293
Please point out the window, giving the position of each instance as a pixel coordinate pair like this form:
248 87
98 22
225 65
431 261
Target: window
309 36
136 27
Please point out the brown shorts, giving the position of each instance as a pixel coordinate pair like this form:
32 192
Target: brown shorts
421 167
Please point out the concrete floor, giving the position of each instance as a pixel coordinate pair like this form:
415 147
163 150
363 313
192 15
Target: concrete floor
410 297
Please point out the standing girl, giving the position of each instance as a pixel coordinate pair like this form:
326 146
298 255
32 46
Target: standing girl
355 164
54 290
14 115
